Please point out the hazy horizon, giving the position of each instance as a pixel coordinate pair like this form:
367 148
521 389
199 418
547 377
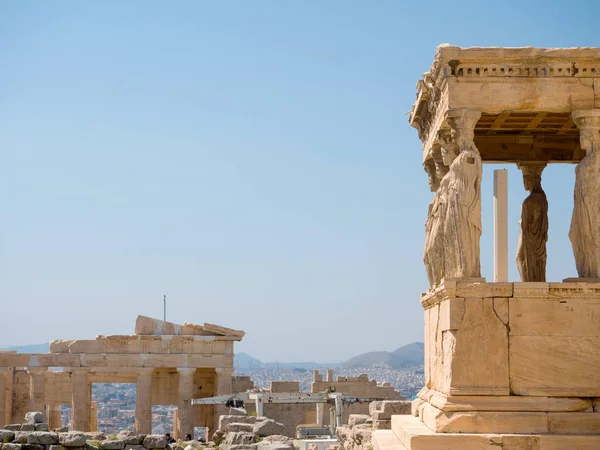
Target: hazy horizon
251 160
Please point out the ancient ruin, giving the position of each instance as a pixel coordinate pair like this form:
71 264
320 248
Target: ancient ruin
170 365
508 365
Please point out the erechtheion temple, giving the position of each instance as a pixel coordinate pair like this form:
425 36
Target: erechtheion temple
508 365
170 365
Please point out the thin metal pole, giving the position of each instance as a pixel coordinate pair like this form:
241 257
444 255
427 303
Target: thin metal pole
165 308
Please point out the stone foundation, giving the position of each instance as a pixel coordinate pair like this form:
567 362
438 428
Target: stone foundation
507 365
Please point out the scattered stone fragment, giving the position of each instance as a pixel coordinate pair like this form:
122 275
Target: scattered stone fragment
42 438
152 441
72 439
21 437
61 430
268 427
9 446
235 426
113 444
34 417
239 438
13 427
28 427
6 436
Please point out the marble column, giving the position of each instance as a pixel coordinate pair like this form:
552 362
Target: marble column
185 412
585 223
143 402
54 417
94 416
81 399
175 420
37 389
223 386
3 412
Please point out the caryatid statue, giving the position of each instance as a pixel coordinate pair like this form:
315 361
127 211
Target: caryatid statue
531 250
585 223
461 188
433 254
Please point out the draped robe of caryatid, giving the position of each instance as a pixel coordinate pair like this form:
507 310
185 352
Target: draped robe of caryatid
461 189
434 240
531 250
585 223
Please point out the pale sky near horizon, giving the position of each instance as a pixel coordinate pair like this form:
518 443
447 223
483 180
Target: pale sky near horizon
252 160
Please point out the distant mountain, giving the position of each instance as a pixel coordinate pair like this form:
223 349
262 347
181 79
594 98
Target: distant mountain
243 360
405 356
34 348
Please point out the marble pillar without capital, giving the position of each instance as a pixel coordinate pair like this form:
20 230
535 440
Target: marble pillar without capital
3 412
143 402
81 400
54 417
185 412
224 386
37 389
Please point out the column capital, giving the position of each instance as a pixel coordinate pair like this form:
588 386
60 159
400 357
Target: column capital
224 370
35 370
145 371
586 118
186 370
588 122
462 124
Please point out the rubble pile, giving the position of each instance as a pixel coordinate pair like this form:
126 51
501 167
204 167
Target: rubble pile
250 433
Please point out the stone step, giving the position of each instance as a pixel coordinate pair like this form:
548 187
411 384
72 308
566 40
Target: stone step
413 434
386 440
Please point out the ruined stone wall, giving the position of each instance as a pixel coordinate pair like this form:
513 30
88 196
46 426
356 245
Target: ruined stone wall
359 386
241 384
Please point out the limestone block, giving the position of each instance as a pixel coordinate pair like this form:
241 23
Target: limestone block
96 436
122 344
549 442
153 441
7 436
564 366
358 419
415 405
133 440
87 346
113 444
149 326
42 438
60 346
41 427
520 443
34 417
234 427
239 438
28 427
393 407
13 427
491 422
21 436
597 405
32 447
574 423
72 439
508 403
226 420
452 311
554 317
268 427
475 357
9 446
216 329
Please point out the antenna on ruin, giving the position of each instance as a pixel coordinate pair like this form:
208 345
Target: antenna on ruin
165 308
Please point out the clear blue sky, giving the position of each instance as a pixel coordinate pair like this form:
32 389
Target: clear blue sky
250 159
